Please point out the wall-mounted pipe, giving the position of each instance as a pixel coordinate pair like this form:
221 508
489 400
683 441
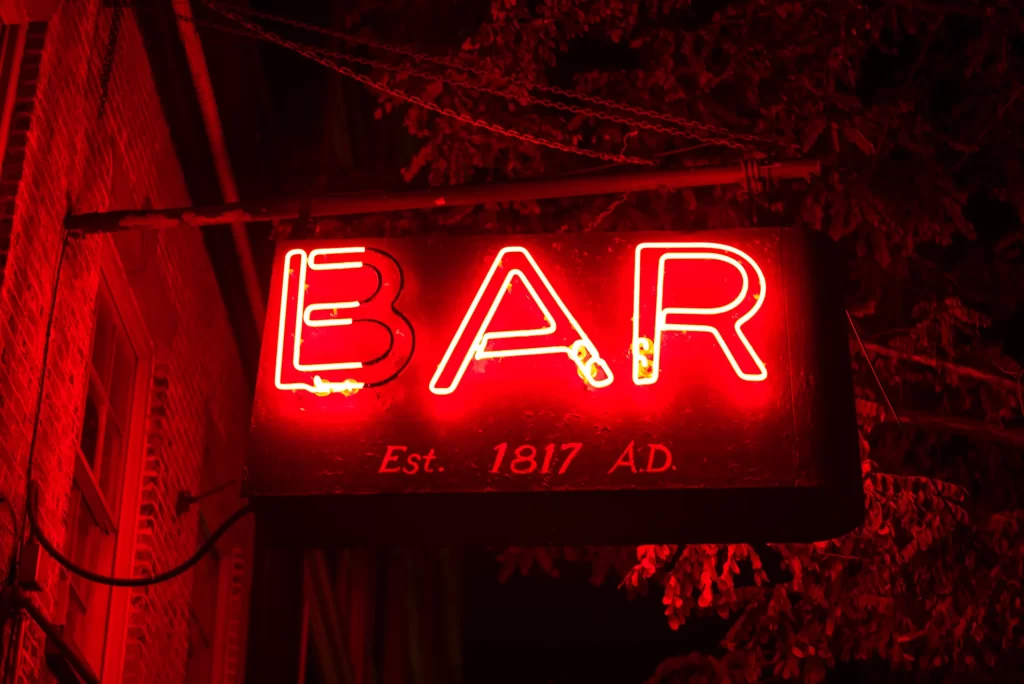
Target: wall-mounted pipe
218 148
464 195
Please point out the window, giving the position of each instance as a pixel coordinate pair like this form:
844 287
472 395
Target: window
94 515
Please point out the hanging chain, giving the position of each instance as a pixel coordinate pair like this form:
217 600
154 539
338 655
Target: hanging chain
714 134
315 55
530 99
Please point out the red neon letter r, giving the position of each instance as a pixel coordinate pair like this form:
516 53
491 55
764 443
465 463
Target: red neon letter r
724 322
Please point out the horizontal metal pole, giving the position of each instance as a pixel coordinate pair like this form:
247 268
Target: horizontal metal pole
457 196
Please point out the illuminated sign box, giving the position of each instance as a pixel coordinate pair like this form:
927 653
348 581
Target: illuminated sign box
585 388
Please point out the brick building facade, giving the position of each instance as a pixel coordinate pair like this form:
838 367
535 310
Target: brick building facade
144 394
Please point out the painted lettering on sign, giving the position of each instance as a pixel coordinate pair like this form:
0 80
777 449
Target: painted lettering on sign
347 296
539 460
398 459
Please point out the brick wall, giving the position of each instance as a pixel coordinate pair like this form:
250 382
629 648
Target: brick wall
77 161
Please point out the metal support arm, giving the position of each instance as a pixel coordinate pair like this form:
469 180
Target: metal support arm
465 195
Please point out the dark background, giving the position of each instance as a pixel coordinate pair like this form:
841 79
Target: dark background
296 129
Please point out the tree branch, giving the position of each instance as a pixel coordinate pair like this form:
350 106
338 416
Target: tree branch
912 636
963 426
963 371
991 124
995 14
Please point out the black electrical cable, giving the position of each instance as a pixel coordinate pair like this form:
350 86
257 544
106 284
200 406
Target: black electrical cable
19 528
51 549
41 388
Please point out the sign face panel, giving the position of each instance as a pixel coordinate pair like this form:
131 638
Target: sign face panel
589 388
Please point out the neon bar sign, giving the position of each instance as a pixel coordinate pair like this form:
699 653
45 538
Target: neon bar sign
543 364
476 340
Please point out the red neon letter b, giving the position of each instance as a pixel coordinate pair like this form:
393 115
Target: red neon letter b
339 330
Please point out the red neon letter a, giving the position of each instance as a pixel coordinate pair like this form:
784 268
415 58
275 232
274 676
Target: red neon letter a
724 322
561 335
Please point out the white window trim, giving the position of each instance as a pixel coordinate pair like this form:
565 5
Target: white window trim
135 455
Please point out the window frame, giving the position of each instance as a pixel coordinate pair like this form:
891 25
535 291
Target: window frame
92 491
125 522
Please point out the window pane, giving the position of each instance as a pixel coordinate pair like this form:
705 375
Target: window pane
112 471
76 620
103 340
90 547
90 430
88 603
123 373
103 446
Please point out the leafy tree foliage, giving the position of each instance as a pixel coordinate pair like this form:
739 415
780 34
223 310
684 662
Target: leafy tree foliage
914 107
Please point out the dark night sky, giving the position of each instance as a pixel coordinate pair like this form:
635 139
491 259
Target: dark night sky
324 135
320 134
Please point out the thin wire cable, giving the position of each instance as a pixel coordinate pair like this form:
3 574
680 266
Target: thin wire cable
461 66
40 390
659 155
313 54
246 33
530 99
523 97
451 63
729 141
872 367
85 573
